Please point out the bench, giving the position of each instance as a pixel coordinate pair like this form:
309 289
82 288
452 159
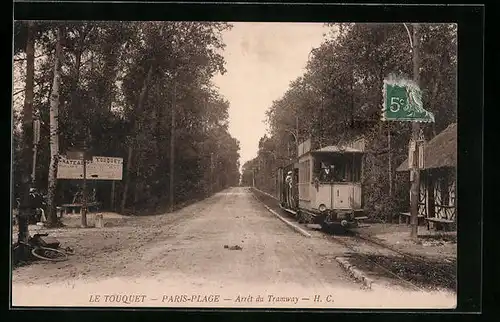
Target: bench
64 209
407 217
440 223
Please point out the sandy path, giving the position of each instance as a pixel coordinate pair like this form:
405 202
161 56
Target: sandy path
183 254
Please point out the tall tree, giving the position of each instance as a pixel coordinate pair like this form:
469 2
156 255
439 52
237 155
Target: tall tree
54 133
25 207
135 124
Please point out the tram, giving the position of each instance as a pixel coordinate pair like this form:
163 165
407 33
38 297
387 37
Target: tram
323 186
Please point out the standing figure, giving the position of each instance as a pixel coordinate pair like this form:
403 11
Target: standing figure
289 186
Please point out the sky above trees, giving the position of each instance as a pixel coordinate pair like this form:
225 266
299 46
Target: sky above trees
261 61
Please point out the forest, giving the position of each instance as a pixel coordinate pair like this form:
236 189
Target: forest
123 89
339 97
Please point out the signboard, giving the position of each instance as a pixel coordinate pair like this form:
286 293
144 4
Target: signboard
411 153
403 102
416 155
420 155
100 168
36 132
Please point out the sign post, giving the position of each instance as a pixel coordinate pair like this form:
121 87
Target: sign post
113 195
84 201
100 168
81 165
84 156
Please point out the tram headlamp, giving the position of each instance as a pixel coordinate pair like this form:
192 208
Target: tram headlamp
322 207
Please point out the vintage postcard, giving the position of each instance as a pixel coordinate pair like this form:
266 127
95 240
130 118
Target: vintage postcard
188 164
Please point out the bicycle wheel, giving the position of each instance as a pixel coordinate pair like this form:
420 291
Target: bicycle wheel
49 254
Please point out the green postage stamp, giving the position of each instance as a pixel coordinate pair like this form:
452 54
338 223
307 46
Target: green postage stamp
403 102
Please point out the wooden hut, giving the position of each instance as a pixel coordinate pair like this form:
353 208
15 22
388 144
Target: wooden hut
437 201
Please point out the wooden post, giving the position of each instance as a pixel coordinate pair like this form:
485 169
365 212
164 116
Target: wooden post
84 197
414 171
390 161
113 182
363 160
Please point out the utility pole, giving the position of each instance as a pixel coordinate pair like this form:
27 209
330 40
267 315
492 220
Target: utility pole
297 132
172 148
211 173
390 159
390 166
414 170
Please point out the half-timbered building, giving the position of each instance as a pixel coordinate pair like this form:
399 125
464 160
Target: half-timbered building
437 201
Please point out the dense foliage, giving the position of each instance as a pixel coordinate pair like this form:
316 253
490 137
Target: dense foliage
340 97
105 67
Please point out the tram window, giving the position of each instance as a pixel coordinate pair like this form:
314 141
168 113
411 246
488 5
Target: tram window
339 173
356 171
304 175
337 168
316 168
327 171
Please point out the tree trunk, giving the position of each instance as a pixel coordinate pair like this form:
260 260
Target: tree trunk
435 90
137 187
140 104
25 211
74 111
172 151
127 179
159 120
54 140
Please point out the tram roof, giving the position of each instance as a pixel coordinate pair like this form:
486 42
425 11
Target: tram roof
337 149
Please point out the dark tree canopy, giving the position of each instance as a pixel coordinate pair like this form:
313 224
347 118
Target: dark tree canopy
339 97
103 71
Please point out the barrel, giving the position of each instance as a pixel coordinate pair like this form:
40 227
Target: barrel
99 221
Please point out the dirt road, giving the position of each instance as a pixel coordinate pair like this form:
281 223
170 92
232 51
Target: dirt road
184 253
